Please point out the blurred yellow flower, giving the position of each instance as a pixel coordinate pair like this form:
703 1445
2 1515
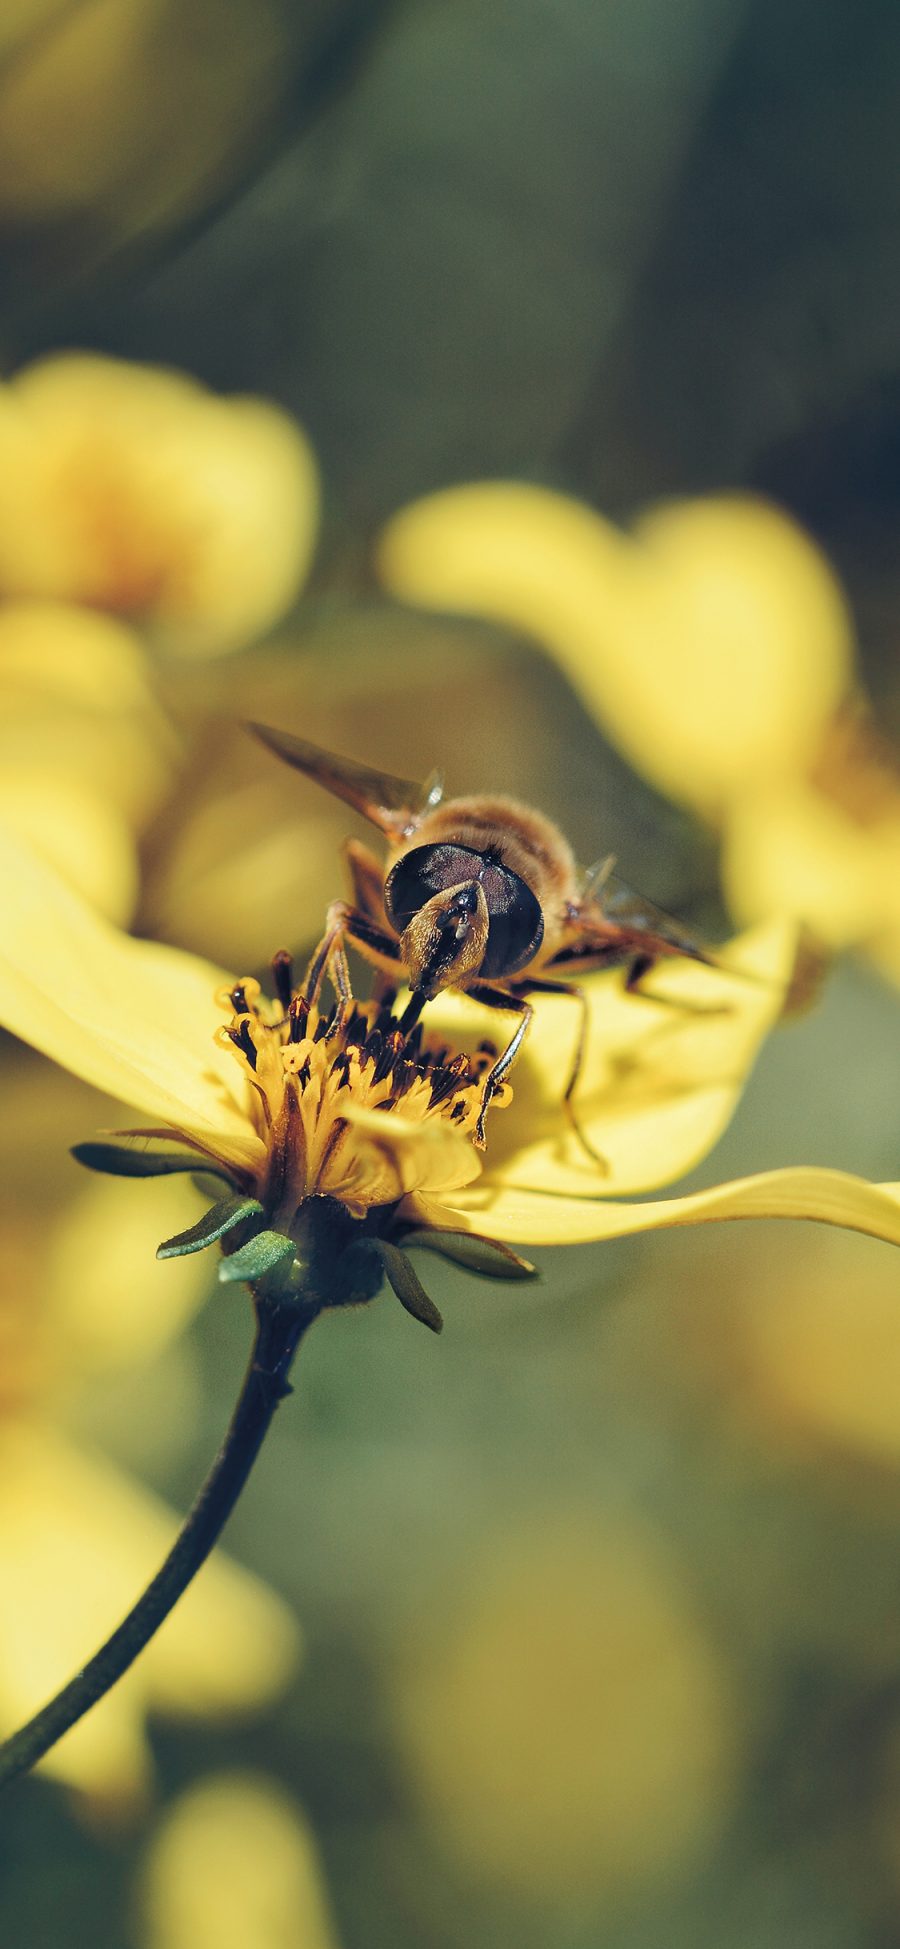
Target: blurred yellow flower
572 1725
234 1865
714 646
132 489
117 125
819 1354
84 1296
85 753
284 1110
77 1539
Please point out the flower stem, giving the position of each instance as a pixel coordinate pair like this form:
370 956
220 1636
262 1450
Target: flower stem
278 1333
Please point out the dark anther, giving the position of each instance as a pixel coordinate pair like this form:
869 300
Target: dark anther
325 1025
458 1111
239 999
488 1049
298 1015
303 1074
356 1029
391 1053
373 1045
446 1080
404 1077
282 975
243 1040
414 1040
341 1068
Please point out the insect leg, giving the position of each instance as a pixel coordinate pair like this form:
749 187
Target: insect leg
514 1005
367 878
330 958
642 965
539 987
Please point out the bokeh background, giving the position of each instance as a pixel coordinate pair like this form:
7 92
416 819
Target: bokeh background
599 1594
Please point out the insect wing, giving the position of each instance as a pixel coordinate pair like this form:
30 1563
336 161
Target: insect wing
396 805
620 907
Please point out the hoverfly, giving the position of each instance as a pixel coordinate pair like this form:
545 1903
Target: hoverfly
479 894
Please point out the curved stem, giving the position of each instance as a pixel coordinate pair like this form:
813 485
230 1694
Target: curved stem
278 1332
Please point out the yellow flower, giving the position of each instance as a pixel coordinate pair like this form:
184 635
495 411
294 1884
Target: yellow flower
85 753
234 1866
77 1535
77 1539
131 488
287 1108
573 1727
715 648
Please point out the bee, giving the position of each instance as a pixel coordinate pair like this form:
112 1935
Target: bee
479 894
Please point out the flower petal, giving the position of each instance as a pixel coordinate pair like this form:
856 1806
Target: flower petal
424 1155
536 1218
792 850
132 1017
712 647
78 1542
659 1083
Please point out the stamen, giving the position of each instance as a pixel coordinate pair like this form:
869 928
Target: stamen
282 976
298 1016
373 1046
243 1040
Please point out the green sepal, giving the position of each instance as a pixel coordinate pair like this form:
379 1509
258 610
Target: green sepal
126 1161
268 1252
219 1219
406 1285
486 1256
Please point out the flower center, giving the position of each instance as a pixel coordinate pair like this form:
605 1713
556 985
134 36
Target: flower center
312 1073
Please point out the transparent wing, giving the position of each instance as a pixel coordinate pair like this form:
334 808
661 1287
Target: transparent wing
396 805
614 902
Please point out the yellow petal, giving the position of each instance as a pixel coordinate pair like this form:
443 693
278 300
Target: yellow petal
53 651
234 1866
659 1082
536 1218
77 709
78 1542
79 833
109 1301
428 1155
134 1018
789 849
133 489
713 647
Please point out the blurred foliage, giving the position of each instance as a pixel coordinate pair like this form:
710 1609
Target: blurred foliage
623 252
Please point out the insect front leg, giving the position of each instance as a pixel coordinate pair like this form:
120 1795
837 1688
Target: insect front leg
330 957
514 1005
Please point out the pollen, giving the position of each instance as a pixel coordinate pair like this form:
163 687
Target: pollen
314 1075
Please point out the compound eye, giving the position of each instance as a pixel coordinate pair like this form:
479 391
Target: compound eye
516 923
419 875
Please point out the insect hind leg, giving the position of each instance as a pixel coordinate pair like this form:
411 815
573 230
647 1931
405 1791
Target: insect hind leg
570 1113
643 965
